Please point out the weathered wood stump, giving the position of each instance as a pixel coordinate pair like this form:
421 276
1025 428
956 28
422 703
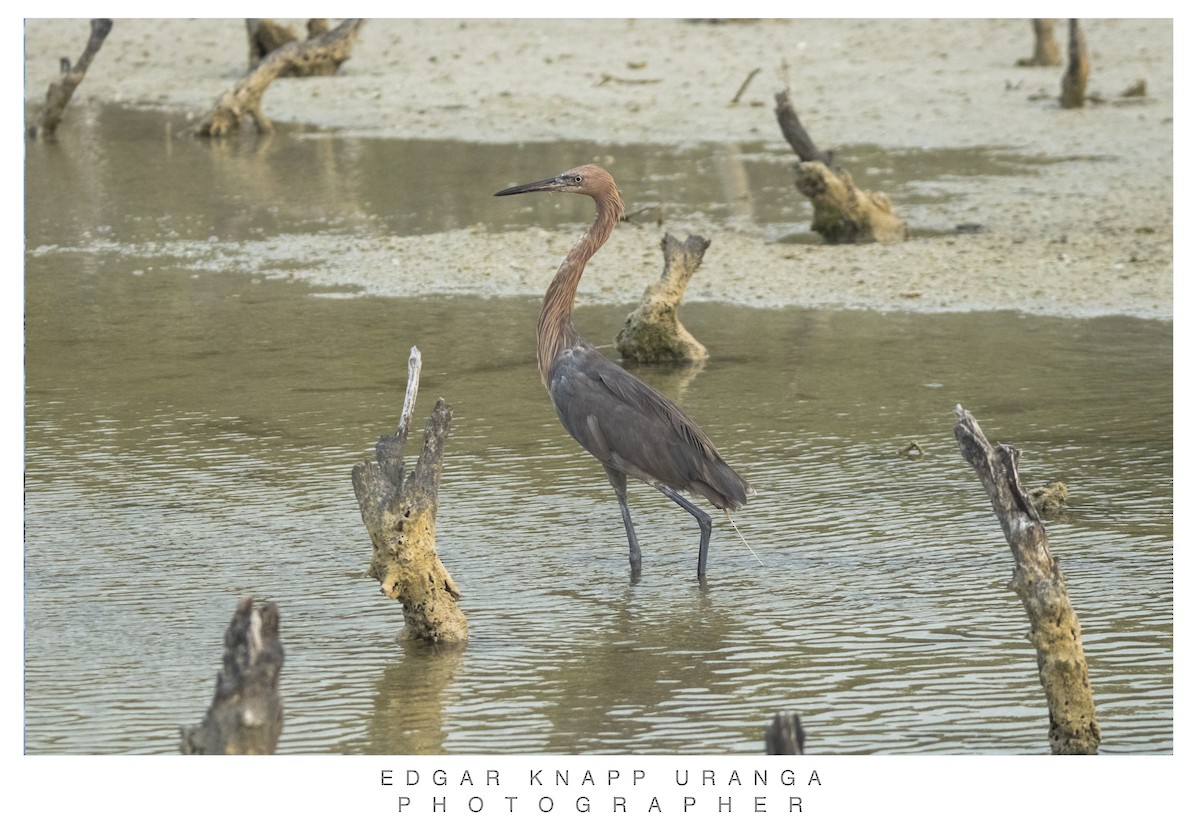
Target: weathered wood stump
785 735
60 92
1037 580
1074 82
653 332
400 512
246 715
842 213
266 36
295 58
1046 51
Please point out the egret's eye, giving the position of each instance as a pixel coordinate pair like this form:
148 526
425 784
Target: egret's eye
578 179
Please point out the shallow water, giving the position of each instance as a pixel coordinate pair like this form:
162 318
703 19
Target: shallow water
189 439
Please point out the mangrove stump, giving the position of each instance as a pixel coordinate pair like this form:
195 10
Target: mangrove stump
399 512
265 36
785 735
1074 82
1038 581
295 59
842 213
653 332
1046 51
60 91
246 714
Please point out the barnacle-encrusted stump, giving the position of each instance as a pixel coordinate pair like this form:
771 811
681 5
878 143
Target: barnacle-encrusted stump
1037 580
399 512
653 332
246 714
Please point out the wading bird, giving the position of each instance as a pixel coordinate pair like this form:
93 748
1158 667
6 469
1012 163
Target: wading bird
630 427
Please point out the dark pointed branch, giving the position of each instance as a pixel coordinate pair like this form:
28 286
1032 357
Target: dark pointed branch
653 332
400 512
246 714
1074 82
795 133
60 92
842 213
294 58
1037 580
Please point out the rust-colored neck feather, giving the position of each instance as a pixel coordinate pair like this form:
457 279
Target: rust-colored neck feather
556 329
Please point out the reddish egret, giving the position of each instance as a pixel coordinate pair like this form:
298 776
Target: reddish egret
630 427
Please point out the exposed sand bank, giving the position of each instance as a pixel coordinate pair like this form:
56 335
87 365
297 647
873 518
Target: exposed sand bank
1090 236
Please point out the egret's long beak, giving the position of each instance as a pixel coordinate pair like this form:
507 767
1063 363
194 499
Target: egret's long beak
549 185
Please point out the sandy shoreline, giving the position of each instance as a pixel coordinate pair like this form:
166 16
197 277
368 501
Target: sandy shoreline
1089 237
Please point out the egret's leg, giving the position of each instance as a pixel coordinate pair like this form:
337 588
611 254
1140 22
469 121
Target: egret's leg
702 518
617 480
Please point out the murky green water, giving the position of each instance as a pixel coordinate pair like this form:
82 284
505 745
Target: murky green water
189 439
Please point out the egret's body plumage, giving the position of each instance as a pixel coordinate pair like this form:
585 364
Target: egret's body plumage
632 429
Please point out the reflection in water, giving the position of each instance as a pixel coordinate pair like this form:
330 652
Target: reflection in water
304 181
189 439
411 700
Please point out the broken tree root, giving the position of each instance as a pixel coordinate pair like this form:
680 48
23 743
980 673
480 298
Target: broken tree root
60 92
246 714
842 213
653 332
295 58
1037 580
400 512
